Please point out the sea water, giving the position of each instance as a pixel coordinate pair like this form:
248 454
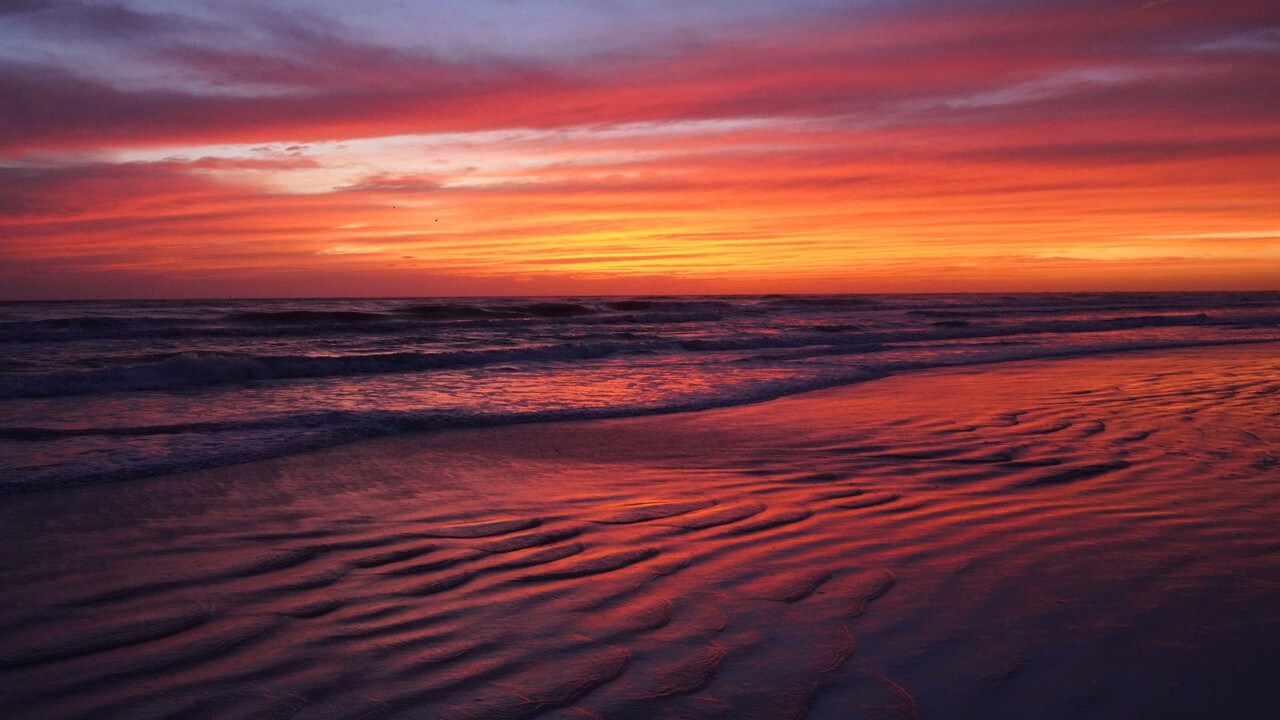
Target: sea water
97 391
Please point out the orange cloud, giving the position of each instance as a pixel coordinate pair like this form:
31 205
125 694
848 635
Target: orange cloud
1044 147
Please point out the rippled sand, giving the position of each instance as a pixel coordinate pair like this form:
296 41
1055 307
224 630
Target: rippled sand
1080 538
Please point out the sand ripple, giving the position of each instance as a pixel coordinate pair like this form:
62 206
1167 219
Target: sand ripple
980 549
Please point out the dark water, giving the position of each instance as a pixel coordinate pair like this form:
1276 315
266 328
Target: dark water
111 390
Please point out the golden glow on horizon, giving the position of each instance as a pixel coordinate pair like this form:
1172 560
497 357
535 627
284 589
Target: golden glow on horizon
754 216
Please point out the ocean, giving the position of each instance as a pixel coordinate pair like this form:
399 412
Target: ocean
104 391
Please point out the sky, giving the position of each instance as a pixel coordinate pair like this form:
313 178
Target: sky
278 148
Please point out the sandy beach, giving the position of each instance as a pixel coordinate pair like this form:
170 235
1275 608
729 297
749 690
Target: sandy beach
1081 538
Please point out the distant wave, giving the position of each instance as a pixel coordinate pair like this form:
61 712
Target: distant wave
178 321
458 311
670 305
451 311
196 370
827 301
305 317
556 310
401 319
87 326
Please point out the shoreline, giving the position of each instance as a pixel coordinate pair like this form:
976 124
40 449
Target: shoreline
587 416
1081 537
523 434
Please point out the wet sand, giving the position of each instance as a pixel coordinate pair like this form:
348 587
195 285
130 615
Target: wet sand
1091 538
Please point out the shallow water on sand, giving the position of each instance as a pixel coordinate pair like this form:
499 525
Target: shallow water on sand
1083 538
116 390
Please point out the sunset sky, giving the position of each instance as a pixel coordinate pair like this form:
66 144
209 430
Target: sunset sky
454 147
